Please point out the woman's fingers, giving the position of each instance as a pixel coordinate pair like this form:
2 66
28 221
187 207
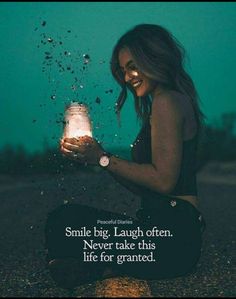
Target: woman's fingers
78 146
64 150
86 138
70 147
77 149
79 140
71 140
72 154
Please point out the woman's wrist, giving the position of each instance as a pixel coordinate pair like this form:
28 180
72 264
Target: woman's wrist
104 159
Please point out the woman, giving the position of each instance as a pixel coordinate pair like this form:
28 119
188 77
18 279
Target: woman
148 61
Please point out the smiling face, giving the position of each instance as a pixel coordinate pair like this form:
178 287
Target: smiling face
139 82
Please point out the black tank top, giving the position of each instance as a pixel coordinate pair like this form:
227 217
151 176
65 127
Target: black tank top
186 183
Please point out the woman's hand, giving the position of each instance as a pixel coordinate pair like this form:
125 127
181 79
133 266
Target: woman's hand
83 149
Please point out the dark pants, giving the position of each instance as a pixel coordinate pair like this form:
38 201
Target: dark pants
174 255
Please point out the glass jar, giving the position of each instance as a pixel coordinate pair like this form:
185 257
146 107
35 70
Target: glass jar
76 121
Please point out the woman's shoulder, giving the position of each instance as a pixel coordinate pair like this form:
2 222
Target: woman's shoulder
172 99
175 104
169 95
167 100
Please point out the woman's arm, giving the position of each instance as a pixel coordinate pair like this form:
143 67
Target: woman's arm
166 141
166 136
131 186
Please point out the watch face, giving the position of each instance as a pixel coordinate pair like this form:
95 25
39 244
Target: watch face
104 161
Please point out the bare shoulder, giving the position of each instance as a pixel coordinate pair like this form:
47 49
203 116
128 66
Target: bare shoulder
167 103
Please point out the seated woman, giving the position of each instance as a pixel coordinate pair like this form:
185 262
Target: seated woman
148 61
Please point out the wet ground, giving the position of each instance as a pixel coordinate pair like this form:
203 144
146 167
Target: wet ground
25 202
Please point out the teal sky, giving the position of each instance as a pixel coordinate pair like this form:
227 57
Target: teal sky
29 116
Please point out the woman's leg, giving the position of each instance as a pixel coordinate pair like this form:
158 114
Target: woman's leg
174 256
65 258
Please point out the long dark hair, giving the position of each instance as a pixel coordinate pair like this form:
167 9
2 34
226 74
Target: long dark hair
160 57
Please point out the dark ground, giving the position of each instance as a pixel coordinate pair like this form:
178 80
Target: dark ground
25 202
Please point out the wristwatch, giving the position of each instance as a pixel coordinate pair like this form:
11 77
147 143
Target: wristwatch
104 160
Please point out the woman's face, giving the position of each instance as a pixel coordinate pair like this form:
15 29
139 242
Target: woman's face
140 83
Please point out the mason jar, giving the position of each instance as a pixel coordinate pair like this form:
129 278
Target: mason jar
76 121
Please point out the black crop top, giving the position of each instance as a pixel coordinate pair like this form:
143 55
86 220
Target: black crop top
186 183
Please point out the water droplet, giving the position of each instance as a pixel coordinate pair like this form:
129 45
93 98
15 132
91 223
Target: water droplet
42 192
50 40
131 145
66 201
81 86
53 97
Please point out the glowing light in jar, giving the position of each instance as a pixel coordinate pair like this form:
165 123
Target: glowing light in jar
77 121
